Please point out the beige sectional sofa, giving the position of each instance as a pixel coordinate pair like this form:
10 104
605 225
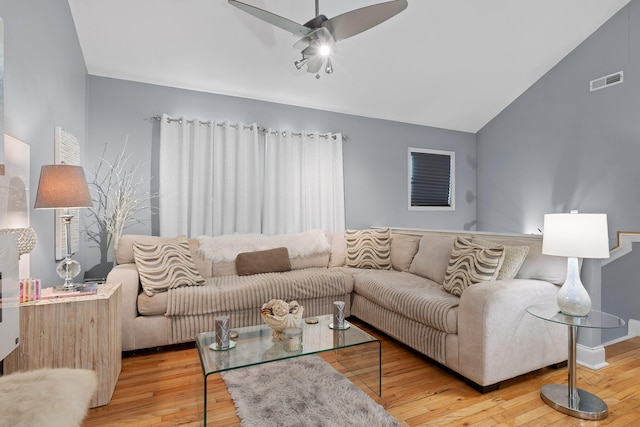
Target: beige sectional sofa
484 334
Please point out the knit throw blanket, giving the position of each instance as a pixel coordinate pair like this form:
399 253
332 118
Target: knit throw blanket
227 247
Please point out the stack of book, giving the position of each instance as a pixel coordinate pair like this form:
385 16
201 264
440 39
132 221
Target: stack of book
30 291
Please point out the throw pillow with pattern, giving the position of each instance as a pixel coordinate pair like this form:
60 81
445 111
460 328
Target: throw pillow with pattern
470 264
514 257
164 266
368 249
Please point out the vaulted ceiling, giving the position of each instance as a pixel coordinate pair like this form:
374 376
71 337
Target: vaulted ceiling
453 64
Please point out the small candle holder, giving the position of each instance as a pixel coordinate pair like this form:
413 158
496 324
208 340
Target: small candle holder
338 316
292 339
221 330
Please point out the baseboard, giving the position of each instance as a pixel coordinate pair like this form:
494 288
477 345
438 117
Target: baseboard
593 358
633 331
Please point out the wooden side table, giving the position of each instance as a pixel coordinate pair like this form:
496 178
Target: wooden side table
73 332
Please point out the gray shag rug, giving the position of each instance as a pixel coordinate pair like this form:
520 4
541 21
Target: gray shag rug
305 391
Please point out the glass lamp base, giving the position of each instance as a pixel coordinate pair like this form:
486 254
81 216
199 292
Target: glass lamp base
68 269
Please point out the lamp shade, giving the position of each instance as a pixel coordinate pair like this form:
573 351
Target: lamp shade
61 187
580 235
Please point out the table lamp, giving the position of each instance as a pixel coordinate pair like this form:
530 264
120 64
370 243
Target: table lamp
64 187
575 235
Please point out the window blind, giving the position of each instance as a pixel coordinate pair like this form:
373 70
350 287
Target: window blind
430 179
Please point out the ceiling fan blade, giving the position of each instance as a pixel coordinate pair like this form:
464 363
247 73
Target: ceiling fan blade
356 21
321 34
273 19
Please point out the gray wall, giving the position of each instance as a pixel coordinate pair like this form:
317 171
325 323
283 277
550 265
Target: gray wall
559 147
375 153
45 87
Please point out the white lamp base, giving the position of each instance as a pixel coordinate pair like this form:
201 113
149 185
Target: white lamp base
572 298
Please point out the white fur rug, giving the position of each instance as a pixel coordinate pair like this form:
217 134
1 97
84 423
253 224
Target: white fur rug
46 397
227 247
305 391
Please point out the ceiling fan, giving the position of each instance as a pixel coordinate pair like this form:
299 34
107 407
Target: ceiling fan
320 34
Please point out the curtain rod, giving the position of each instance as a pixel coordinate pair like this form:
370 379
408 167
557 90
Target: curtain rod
260 128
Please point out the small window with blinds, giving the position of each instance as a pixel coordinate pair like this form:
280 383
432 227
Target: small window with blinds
431 179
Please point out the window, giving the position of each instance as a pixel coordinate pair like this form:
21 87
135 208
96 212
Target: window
431 179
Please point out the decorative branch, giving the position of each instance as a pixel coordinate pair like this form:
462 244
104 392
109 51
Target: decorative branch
116 195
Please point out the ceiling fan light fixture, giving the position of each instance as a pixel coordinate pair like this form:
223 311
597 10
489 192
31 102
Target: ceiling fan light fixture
300 62
320 34
325 49
329 68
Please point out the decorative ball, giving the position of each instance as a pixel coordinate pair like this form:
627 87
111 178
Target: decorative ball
279 315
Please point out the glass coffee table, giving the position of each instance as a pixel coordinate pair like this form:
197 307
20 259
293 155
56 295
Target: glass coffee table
359 352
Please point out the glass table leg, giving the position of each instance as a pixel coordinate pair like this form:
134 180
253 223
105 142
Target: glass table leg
364 361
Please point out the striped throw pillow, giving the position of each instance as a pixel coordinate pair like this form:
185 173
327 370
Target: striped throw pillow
470 264
368 249
164 266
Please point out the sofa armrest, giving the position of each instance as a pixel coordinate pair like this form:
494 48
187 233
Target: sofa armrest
498 339
127 276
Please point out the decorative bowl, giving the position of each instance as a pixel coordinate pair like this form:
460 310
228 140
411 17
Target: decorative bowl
279 315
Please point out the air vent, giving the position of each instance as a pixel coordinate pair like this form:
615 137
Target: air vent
606 81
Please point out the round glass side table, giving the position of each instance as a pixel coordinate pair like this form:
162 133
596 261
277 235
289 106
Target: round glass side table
569 399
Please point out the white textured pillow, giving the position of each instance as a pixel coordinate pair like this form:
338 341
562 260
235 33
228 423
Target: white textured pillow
514 257
165 265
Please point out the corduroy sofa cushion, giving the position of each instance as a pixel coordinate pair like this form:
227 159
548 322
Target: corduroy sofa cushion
412 296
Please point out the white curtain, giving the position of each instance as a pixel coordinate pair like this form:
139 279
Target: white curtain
303 182
210 178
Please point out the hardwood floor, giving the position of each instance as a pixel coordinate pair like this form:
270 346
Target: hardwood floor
164 388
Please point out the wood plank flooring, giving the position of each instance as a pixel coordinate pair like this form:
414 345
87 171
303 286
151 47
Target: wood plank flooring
164 388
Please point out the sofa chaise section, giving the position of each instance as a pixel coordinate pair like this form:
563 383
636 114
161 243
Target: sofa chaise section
485 334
